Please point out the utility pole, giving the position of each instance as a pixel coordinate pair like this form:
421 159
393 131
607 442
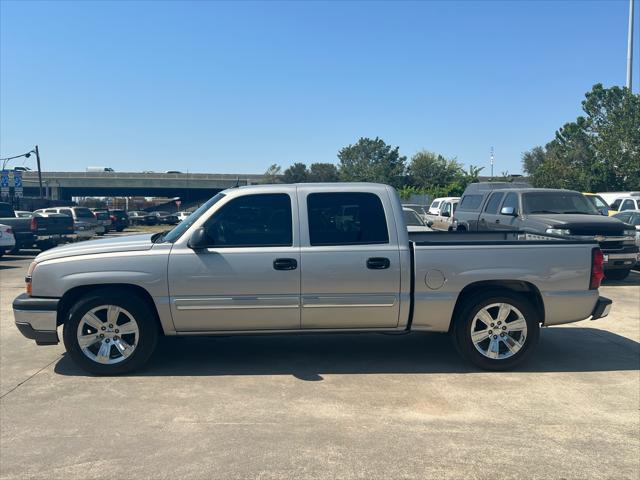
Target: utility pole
39 170
630 46
492 163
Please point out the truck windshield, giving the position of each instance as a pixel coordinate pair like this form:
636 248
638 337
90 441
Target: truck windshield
557 202
183 226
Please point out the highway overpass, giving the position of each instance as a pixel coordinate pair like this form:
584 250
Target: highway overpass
187 186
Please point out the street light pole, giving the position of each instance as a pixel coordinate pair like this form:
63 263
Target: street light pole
39 171
630 46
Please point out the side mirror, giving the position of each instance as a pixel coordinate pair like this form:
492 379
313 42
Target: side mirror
429 223
199 239
508 211
445 214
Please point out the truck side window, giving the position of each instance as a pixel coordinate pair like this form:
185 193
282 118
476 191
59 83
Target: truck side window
351 218
262 220
628 205
511 200
494 202
470 202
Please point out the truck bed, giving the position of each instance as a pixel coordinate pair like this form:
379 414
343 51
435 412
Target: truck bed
552 271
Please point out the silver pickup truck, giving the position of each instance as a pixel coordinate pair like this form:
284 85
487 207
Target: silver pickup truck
307 258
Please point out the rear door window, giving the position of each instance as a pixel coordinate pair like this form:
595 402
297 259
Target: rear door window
350 218
493 203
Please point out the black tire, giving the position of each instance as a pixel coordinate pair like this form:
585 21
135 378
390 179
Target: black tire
1 252
463 323
119 229
16 249
139 309
616 274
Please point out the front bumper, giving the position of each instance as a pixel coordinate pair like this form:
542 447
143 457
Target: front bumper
37 318
621 260
602 308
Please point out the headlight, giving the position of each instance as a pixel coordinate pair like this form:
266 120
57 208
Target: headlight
631 233
558 231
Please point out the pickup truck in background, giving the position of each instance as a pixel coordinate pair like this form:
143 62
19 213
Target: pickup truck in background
443 220
306 258
500 207
38 231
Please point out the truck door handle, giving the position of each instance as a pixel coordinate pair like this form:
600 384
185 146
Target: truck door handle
498 221
378 263
285 264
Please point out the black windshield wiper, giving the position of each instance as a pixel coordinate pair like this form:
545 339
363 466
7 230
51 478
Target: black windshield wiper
543 211
576 212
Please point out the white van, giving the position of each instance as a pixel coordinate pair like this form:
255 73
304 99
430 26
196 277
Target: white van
436 205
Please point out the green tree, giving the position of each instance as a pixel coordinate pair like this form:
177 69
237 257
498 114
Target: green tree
296 173
323 172
428 170
599 151
272 174
372 160
532 160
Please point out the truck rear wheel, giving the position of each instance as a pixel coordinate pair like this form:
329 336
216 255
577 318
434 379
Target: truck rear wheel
497 330
110 332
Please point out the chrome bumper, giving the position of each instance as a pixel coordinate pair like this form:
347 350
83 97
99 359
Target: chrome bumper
37 318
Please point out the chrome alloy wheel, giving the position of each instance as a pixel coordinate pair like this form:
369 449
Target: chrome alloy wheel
498 331
108 334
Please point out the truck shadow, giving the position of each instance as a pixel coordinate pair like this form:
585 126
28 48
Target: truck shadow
308 357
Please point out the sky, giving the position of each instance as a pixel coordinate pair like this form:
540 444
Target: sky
235 87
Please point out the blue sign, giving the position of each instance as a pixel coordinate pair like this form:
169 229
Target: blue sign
17 179
4 179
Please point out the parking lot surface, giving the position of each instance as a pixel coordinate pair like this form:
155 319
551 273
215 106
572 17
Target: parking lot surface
333 406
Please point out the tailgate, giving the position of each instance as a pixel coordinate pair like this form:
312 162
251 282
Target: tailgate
54 225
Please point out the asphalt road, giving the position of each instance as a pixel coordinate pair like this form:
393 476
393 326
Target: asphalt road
342 406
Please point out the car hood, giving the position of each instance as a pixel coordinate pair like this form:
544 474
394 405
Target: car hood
128 243
596 224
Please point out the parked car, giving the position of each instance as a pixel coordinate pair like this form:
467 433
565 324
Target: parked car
172 171
599 203
631 217
610 197
104 221
23 214
434 208
496 206
444 220
36 231
166 218
142 218
7 240
85 223
413 221
419 209
332 257
119 219
21 168
624 203
183 215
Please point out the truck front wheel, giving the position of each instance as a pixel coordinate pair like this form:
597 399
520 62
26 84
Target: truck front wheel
497 331
110 332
